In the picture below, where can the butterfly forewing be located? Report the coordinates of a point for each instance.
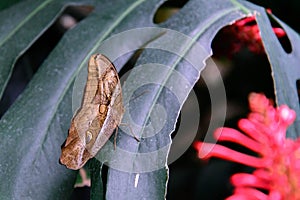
(100, 113)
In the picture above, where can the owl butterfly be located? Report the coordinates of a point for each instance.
(100, 113)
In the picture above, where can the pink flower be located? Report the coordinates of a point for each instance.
(243, 33)
(278, 161)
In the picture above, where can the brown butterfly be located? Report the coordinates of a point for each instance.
(100, 113)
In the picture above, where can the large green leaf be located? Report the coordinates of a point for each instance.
(36, 125)
(6, 4)
(285, 67)
(15, 37)
(172, 51)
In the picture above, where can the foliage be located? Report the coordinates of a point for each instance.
(35, 126)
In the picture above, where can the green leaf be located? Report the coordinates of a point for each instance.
(6, 4)
(36, 125)
(97, 189)
(285, 66)
(15, 37)
(34, 128)
(144, 170)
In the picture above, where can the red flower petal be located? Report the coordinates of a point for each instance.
(246, 180)
(278, 167)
